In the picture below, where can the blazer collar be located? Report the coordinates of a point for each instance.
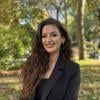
(57, 72)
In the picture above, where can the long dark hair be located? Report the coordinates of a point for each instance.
(38, 62)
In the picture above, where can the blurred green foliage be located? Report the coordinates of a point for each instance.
(14, 44)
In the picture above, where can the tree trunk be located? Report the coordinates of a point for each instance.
(57, 13)
(80, 28)
(65, 8)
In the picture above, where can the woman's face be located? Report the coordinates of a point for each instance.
(51, 39)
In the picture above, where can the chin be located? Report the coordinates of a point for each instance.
(50, 51)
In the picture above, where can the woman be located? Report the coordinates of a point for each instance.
(49, 73)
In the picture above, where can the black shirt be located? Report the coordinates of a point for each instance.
(39, 89)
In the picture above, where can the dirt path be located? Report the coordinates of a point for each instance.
(9, 84)
(9, 73)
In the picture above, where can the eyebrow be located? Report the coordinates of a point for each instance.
(50, 32)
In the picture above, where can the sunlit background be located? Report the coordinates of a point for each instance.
(18, 24)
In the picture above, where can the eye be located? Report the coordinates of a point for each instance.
(54, 34)
(43, 36)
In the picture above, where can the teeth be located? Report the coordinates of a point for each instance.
(49, 45)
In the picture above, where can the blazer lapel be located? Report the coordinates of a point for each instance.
(57, 72)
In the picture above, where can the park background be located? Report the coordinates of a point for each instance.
(18, 24)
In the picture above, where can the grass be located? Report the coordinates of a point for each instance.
(90, 62)
(89, 89)
(90, 79)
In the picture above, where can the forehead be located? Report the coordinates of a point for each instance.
(49, 29)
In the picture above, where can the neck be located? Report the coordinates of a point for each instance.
(54, 57)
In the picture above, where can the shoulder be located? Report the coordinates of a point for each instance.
(71, 63)
(71, 66)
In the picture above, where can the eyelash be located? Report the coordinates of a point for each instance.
(54, 35)
(43, 36)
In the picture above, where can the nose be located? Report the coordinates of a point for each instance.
(48, 39)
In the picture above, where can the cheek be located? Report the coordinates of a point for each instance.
(43, 40)
(58, 41)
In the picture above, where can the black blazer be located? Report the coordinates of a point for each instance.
(64, 81)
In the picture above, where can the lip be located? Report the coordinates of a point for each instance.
(49, 45)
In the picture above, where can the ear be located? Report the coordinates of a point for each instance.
(63, 40)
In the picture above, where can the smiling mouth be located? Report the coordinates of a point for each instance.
(49, 45)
